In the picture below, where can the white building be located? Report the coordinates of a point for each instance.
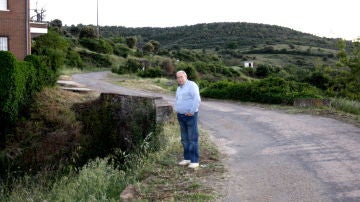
(248, 63)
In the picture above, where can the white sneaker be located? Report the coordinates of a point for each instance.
(193, 165)
(184, 162)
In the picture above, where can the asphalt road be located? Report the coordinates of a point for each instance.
(272, 155)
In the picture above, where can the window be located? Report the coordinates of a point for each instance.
(4, 44)
(3, 5)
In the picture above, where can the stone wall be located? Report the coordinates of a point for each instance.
(127, 102)
(311, 102)
(120, 122)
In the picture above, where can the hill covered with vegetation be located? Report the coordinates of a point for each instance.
(221, 35)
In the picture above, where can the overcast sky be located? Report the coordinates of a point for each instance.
(328, 18)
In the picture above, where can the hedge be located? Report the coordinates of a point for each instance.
(18, 82)
(269, 90)
(14, 81)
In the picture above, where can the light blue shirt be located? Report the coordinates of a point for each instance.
(187, 98)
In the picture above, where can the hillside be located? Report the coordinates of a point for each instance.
(221, 35)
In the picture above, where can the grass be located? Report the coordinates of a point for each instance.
(168, 182)
(157, 85)
(350, 106)
(96, 181)
(74, 70)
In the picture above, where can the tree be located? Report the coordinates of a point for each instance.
(74, 30)
(131, 41)
(88, 32)
(264, 70)
(57, 24)
(168, 67)
(190, 70)
(156, 45)
(319, 79)
(352, 61)
(148, 48)
(51, 40)
(53, 46)
(231, 45)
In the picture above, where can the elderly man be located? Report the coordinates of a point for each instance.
(187, 106)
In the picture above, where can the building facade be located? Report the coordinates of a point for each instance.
(16, 29)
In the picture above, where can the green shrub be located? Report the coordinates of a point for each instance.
(99, 46)
(121, 50)
(88, 32)
(44, 75)
(185, 55)
(151, 73)
(319, 80)
(346, 105)
(56, 59)
(17, 86)
(96, 181)
(95, 59)
(51, 40)
(132, 65)
(131, 41)
(189, 69)
(270, 90)
(264, 70)
(19, 81)
(73, 59)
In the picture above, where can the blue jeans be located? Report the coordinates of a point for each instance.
(189, 136)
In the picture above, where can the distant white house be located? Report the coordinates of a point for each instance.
(248, 63)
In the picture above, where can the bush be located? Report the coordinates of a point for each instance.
(131, 41)
(131, 66)
(52, 48)
(88, 32)
(96, 181)
(73, 59)
(121, 50)
(189, 69)
(44, 75)
(346, 105)
(151, 73)
(168, 67)
(95, 59)
(17, 81)
(263, 70)
(319, 79)
(99, 46)
(270, 90)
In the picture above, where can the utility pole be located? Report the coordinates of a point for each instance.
(97, 19)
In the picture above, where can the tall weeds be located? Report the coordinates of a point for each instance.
(350, 106)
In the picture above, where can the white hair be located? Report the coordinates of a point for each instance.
(181, 72)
